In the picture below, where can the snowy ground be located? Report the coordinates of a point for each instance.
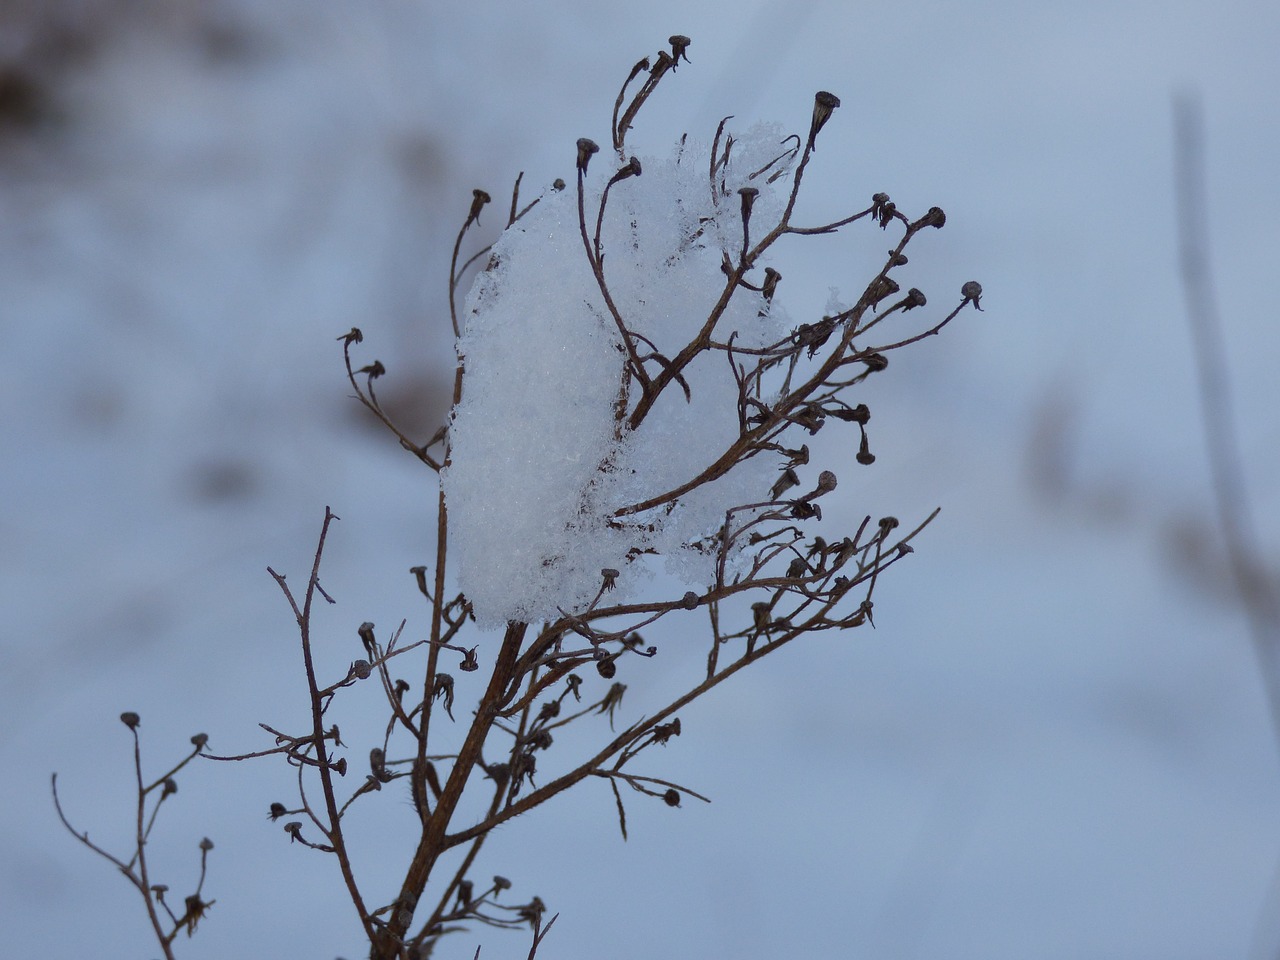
(1055, 742)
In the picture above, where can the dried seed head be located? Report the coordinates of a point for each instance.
(469, 662)
(826, 481)
(206, 844)
(610, 576)
(606, 668)
(130, 719)
(586, 147)
(915, 298)
(632, 169)
(671, 798)
(340, 766)
(865, 456)
(861, 414)
(170, 786)
(760, 614)
(934, 218)
(823, 104)
(771, 278)
(679, 46)
(361, 670)
(875, 361)
(887, 524)
(276, 811)
(557, 184)
(478, 199)
(972, 293)
(199, 740)
(689, 601)
(501, 883)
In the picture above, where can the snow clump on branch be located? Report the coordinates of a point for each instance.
(541, 455)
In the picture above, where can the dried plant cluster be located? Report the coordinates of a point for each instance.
(767, 578)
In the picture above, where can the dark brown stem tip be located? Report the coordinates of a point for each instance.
(823, 105)
(679, 44)
(586, 147)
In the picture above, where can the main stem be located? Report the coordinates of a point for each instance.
(432, 843)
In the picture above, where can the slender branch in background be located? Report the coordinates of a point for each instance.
(1223, 446)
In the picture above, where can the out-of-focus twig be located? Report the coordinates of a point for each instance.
(1247, 568)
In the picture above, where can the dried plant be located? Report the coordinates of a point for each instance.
(717, 365)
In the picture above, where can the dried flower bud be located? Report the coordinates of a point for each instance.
(861, 414)
(557, 184)
(689, 601)
(879, 204)
(880, 288)
(478, 199)
(804, 510)
(671, 798)
(206, 844)
(679, 44)
(361, 670)
(352, 336)
(632, 169)
(294, 829)
(606, 668)
(748, 195)
(501, 883)
(972, 293)
(934, 218)
(826, 481)
(366, 637)
(760, 615)
(469, 662)
(875, 361)
(160, 889)
(276, 811)
(199, 740)
(865, 456)
(540, 740)
(785, 482)
(130, 719)
(586, 147)
(887, 524)
(915, 298)
(170, 787)
(610, 576)
(340, 766)
(823, 104)
(771, 278)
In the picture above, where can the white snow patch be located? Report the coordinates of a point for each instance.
(539, 461)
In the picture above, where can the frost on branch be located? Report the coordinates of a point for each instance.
(541, 459)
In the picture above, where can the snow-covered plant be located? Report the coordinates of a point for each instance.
(632, 410)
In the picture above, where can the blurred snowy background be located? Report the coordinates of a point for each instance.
(1054, 745)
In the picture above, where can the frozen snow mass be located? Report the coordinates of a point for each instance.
(541, 461)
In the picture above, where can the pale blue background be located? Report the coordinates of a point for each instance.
(1055, 744)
